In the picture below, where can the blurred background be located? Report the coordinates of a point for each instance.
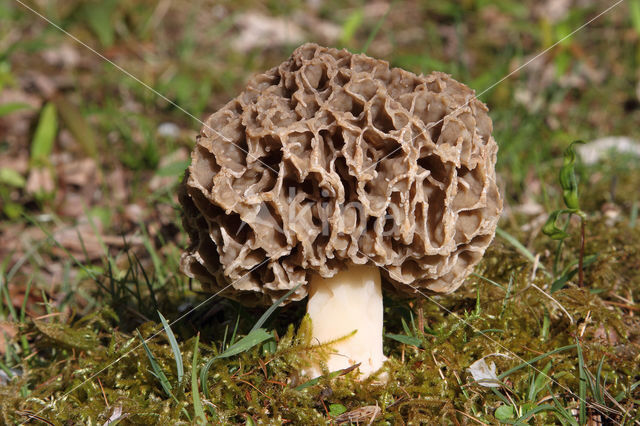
(84, 143)
(91, 153)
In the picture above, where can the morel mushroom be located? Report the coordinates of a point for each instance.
(330, 170)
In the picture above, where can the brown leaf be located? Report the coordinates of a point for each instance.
(16, 126)
(7, 332)
(607, 335)
(83, 242)
(117, 181)
(79, 180)
(133, 213)
(18, 163)
(79, 172)
(363, 414)
(78, 125)
(40, 181)
(73, 205)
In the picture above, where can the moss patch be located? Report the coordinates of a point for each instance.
(82, 371)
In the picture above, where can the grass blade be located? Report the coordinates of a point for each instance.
(198, 411)
(405, 327)
(407, 340)
(598, 391)
(272, 308)
(518, 246)
(78, 125)
(377, 27)
(540, 382)
(544, 407)
(155, 258)
(45, 135)
(5, 290)
(507, 296)
(634, 14)
(534, 360)
(252, 339)
(9, 107)
(224, 338)
(570, 271)
(331, 375)
(175, 169)
(351, 25)
(503, 398)
(50, 237)
(23, 308)
(174, 347)
(582, 387)
(490, 281)
(247, 342)
(560, 412)
(99, 18)
(235, 331)
(157, 371)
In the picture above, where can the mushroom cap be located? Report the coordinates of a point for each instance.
(334, 158)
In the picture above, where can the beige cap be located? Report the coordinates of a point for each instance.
(334, 158)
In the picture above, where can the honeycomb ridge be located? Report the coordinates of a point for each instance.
(334, 158)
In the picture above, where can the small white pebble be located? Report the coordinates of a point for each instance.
(169, 130)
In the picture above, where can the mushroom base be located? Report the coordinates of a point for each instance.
(347, 302)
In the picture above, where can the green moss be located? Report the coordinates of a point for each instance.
(80, 364)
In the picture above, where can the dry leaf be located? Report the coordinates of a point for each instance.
(117, 182)
(7, 331)
(366, 414)
(485, 375)
(40, 181)
(116, 416)
(84, 244)
(607, 335)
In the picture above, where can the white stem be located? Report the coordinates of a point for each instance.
(350, 300)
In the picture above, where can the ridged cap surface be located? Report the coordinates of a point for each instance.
(333, 158)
